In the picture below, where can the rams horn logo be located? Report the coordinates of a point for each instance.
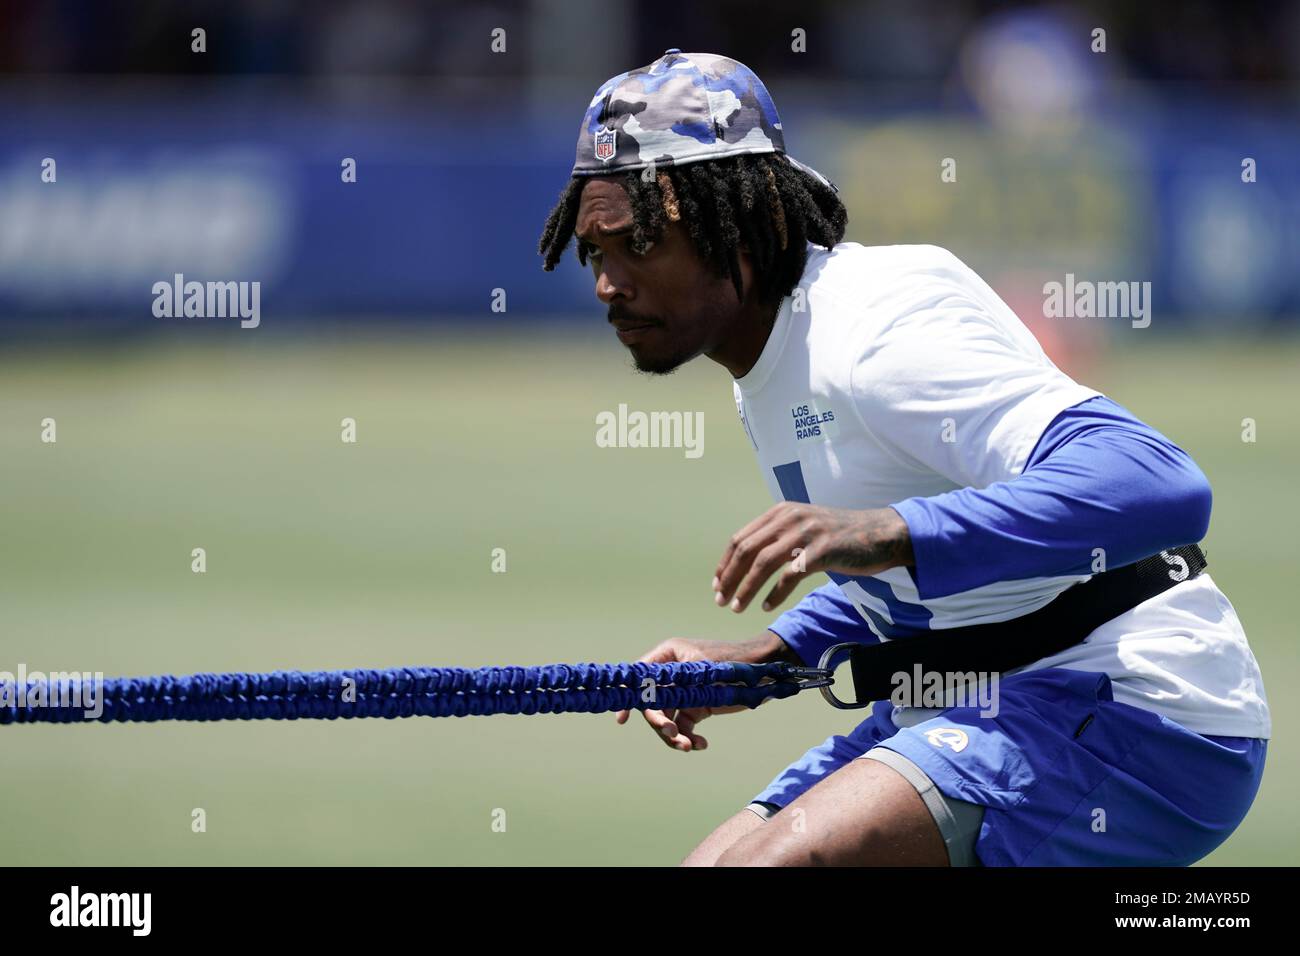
(954, 738)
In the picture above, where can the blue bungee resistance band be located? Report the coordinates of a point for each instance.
(403, 692)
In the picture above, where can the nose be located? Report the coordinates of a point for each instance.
(609, 285)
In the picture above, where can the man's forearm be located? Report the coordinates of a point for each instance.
(765, 648)
(878, 537)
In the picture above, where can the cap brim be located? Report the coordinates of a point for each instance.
(811, 172)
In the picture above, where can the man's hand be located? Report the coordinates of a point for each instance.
(677, 728)
(812, 539)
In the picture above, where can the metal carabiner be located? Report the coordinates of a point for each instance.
(807, 677)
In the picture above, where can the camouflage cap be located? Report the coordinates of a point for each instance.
(682, 108)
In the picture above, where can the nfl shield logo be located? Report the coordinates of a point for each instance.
(605, 143)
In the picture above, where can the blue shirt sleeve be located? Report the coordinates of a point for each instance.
(1098, 479)
(824, 617)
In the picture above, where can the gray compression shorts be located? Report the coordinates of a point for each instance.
(958, 821)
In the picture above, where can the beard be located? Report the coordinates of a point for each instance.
(664, 361)
(660, 364)
(667, 359)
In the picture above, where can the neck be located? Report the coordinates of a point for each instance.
(749, 334)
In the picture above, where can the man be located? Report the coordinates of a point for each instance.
(947, 477)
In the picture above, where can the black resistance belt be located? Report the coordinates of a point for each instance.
(1005, 645)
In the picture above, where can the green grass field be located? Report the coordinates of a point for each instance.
(323, 554)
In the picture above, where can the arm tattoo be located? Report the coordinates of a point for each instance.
(875, 537)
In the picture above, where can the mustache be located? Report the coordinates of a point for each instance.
(622, 315)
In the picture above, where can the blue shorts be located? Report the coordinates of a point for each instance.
(1067, 776)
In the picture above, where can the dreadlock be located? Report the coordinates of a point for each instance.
(760, 201)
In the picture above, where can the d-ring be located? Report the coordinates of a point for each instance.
(828, 663)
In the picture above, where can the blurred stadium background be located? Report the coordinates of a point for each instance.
(476, 427)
